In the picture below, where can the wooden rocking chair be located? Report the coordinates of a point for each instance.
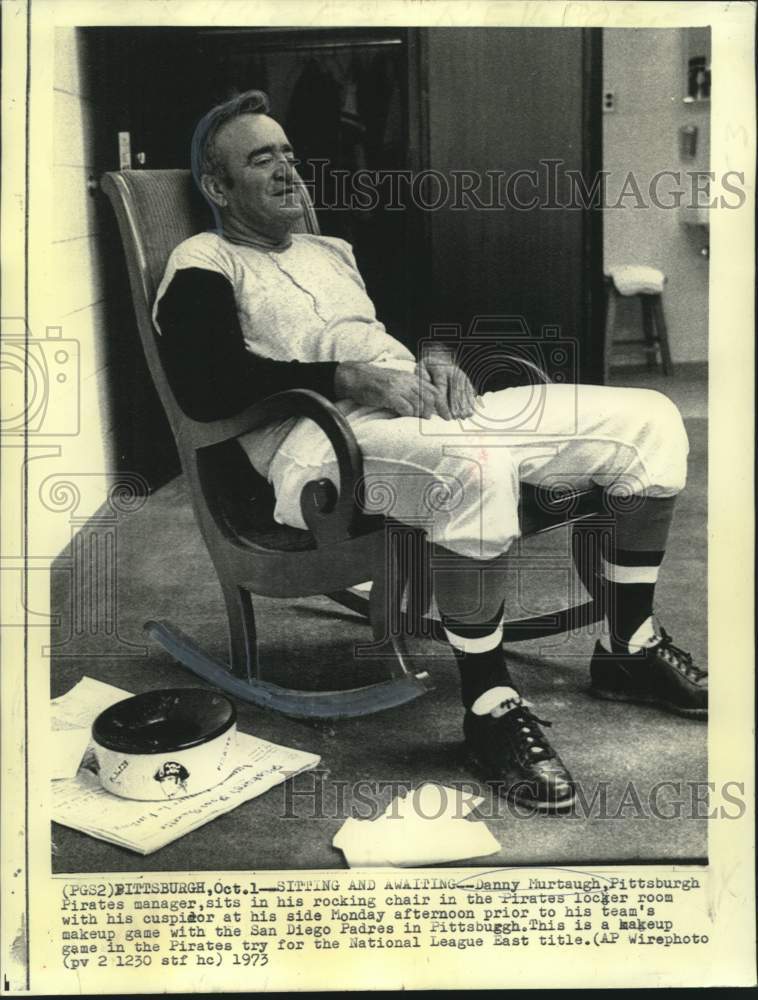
(233, 505)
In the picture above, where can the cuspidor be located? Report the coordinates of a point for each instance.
(165, 744)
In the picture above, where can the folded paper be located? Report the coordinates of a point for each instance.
(428, 826)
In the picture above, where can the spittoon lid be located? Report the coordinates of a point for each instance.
(165, 720)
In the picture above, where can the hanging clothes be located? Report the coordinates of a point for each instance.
(313, 115)
(380, 100)
(313, 127)
(350, 113)
(352, 126)
(380, 103)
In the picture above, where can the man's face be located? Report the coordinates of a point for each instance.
(259, 186)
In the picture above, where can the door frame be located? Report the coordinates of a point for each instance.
(592, 220)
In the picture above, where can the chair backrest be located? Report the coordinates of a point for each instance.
(156, 210)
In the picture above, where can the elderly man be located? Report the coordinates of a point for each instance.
(252, 309)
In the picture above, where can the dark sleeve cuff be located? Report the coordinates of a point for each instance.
(315, 375)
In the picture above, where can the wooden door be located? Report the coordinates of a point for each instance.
(504, 100)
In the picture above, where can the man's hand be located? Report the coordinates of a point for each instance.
(409, 394)
(451, 381)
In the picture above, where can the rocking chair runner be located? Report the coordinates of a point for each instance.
(343, 547)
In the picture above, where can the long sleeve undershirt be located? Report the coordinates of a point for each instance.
(211, 371)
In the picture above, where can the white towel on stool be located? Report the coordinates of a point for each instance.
(636, 280)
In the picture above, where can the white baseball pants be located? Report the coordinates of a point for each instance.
(460, 479)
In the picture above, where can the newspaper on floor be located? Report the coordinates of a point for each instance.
(80, 802)
(428, 826)
(71, 720)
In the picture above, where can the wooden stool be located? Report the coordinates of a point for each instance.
(646, 283)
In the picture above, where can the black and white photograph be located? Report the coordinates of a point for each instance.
(413, 413)
(368, 402)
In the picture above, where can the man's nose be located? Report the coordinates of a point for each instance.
(285, 168)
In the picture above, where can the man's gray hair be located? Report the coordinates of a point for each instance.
(204, 155)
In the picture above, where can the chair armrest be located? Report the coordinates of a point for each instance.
(332, 514)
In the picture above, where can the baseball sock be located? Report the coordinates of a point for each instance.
(630, 579)
(631, 564)
(485, 680)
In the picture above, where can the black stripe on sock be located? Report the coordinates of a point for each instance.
(469, 630)
(627, 557)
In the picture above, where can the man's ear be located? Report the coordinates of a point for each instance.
(213, 189)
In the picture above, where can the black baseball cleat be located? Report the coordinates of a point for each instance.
(662, 674)
(512, 753)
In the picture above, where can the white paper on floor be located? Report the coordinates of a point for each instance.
(429, 826)
(68, 746)
(81, 803)
(72, 716)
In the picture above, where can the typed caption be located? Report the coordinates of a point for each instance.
(135, 924)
